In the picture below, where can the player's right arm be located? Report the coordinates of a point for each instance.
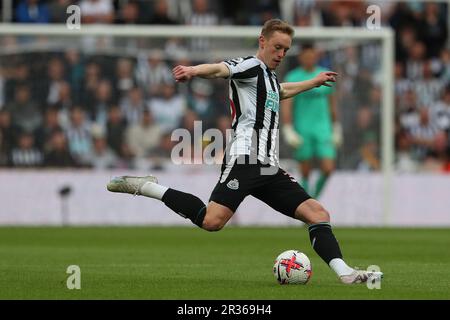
(207, 71)
(290, 89)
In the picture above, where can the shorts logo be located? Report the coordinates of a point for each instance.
(233, 184)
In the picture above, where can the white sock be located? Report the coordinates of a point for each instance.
(153, 190)
(340, 267)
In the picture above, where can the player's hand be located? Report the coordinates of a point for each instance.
(338, 138)
(323, 78)
(183, 73)
(291, 136)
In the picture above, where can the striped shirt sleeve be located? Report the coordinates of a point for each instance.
(242, 68)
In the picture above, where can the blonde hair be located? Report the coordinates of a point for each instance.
(272, 25)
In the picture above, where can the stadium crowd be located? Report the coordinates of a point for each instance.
(74, 109)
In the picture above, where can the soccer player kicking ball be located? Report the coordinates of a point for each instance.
(250, 165)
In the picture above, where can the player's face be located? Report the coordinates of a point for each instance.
(274, 48)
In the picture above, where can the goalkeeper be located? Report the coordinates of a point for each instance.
(310, 123)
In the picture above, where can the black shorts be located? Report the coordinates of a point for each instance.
(272, 185)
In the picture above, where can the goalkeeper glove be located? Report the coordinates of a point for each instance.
(337, 134)
(291, 136)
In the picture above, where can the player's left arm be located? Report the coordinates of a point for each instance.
(206, 71)
(290, 89)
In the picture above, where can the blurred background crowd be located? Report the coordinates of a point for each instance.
(77, 108)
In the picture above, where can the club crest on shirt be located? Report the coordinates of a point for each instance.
(233, 184)
(272, 101)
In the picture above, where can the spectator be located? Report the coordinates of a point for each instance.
(26, 154)
(58, 154)
(404, 161)
(152, 72)
(364, 135)
(133, 105)
(115, 131)
(402, 84)
(64, 103)
(433, 29)
(409, 117)
(437, 158)
(79, 136)
(31, 11)
(51, 124)
(423, 135)
(91, 81)
(201, 16)
(103, 100)
(3, 154)
(58, 10)
(130, 13)
(144, 137)
(103, 157)
(161, 14)
(175, 49)
(440, 111)
(416, 59)
(406, 38)
(55, 72)
(169, 109)
(124, 80)
(402, 16)
(201, 102)
(233, 12)
(362, 86)
(429, 88)
(19, 76)
(443, 64)
(369, 153)
(164, 149)
(97, 11)
(8, 136)
(348, 62)
(261, 11)
(24, 112)
(2, 88)
(343, 13)
(75, 73)
(306, 13)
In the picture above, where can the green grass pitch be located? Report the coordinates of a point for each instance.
(235, 263)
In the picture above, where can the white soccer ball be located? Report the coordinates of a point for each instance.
(292, 267)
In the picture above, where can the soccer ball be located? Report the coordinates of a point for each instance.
(292, 267)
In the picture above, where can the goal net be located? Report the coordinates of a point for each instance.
(97, 67)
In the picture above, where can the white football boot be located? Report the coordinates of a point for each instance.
(129, 184)
(361, 276)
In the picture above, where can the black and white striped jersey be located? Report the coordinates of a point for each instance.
(254, 105)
